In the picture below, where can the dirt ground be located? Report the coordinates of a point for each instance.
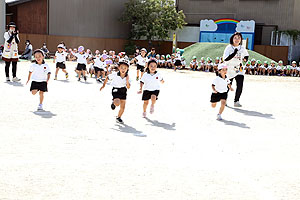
(75, 150)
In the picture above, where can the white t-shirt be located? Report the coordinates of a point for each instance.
(61, 57)
(221, 85)
(178, 56)
(151, 81)
(278, 67)
(183, 62)
(81, 58)
(39, 72)
(234, 64)
(141, 60)
(194, 62)
(117, 80)
(98, 63)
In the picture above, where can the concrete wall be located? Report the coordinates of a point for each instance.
(2, 20)
(87, 18)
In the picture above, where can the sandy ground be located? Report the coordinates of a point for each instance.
(75, 150)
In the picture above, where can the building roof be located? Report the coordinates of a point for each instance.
(15, 2)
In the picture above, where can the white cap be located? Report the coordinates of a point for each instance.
(124, 61)
(61, 46)
(222, 66)
(143, 49)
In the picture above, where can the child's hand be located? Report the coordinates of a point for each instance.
(162, 81)
(140, 92)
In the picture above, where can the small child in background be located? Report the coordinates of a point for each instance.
(194, 63)
(82, 58)
(209, 65)
(202, 64)
(183, 62)
(39, 73)
(162, 61)
(216, 64)
(60, 59)
(220, 86)
(169, 63)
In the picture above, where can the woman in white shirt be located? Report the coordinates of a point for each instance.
(234, 55)
(10, 52)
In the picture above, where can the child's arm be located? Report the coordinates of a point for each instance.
(141, 88)
(127, 82)
(103, 86)
(229, 86)
(29, 76)
(214, 89)
(48, 77)
(54, 59)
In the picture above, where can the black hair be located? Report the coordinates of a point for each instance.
(120, 63)
(236, 33)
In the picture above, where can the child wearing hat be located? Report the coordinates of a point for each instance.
(39, 73)
(177, 60)
(169, 62)
(216, 64)
(294, 69)
(60, 59)
(253, 67)
(120, 83)
(247, 67)
(202, 64)
(194, 63)
(162, 61)
(141, 61)
(183, 62)
(82, 58)
(151, 82)
(279, 68)
(220, 86)
(209, 65)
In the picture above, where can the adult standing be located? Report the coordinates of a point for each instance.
(234, 55)
(10, 53)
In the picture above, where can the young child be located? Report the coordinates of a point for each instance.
(253, 67)
(169, 63)
(247, 67)
(141, 61)
(279, 68)
(294, 68)
(202, 64)
(194, 63)
(265, 68)
(177, 61)
(216, 64)
(82, 62)
(151, 82)
(162, 61)
(183, 62)
(209, 65)
(120, 83)
(39, 73)
(60, 59)
(99, 66)
(220, 86)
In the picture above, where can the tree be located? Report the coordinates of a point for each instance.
(294, 34)
(152, 19)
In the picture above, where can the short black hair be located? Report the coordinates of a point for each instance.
(236, 33)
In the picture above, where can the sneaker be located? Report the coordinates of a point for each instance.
(137, 78)
(237, 104)
(79, 79)
(15, 79)
(151, 109)
(40, 107)
(119, 120)
(55, 78)
(113, 106)
(67, 75)
(7, 79)
(84, 78)
(99, 80)
(144, 114)
(219, 117)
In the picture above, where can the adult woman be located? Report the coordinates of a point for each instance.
(10, 52)
(234, 55)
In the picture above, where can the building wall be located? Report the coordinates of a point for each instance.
(2, 21)
(32, 17)
(87, 18)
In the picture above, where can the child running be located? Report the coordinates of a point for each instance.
(220, 87)
(82, 62)
(120, 83)
(141, 63)
(39, 73)
(151, 81)
(60, 59)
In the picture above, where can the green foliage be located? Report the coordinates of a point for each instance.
(294, 34)
(152, 19)
(130, 47)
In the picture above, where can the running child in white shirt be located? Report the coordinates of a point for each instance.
(82, 58)
(120, 83)
(220, 86)
(99, 66)
(39, 73)
(151, 82)
(60, 59)
(141, 61)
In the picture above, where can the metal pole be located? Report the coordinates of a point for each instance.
(2, 20)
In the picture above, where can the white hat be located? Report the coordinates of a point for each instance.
(222, 66)
(124, 61)
(143, 49)
(61, 46)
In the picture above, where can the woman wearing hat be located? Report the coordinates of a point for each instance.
(10, 52)
(234, 55)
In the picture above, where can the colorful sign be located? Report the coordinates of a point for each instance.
(220, 31)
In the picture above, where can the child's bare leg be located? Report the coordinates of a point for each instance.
(65, 71)
(223, 104)
(34, 92)
(153, 100)
(56, 71)
(213, 105)
(41, 97)
(117, 102)
(145, 105)
(122, 108)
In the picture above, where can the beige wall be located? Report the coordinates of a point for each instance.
(270, 12)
